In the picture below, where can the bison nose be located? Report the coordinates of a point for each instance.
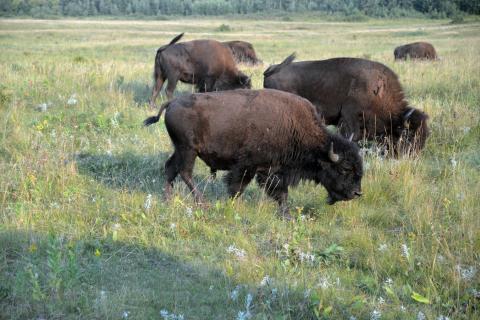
(357, 193)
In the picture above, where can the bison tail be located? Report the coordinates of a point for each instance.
(173, 41)
(155, 119)
(275, 68)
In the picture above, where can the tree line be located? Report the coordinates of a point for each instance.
(373, 8)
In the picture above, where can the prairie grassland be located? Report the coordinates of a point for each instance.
(85, 232)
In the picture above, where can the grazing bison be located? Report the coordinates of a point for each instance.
(207, 64)
(362, 97)
(416, 50)
(243, 52)
(272, 134)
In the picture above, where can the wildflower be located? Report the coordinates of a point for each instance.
(148, 202)
(466, 273)
(97, 253)
(125, 314)
(383, 247)
(476, 293)
(381, 300)
(265, 281)
(405, 251)
(466, 130)
(388, 281)
(375, 315)
(421, 316)
(72, 100)
(210, 288)
(352, 318)
(32, 248)
(42, 107)
(306, 294)
(324, 283)
(164, 313)
(441, 317)
(173, 226)
(103, 295)
(306, 257)
(189, 212)
(234, 293)
(402, 308)
(243, 315)
(239, 253)
(453, 162)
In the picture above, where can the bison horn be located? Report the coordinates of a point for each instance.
(406, 116)
(332, 155)
(351, 137)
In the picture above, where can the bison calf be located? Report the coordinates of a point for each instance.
(208, 64)
(364, 98)
(268, 133)
(416, 50)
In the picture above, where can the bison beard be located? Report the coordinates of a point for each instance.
(361, 97)
(268, 133)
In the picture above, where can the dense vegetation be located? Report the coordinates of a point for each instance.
(86, 234)
(375, 8)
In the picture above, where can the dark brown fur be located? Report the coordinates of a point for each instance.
(362, 97)
(207, 64)
(416, 50)
(272, 134)
(243, 52)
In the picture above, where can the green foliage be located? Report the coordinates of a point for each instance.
(352, 10)
(224, 28)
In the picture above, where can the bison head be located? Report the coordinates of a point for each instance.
(341, 170)
(240, 81)
(413, 129)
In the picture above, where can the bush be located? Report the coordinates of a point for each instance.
(224, 28)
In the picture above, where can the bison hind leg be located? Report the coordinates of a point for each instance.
(238, 179)
(181, 162)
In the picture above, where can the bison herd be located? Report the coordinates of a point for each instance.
(278, 135)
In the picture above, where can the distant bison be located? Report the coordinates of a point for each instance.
(207, 64)
(272, 134)
(362, 97)
(243, 52)
(416, 50)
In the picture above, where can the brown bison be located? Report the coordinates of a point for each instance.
(416, 50)
(207, 64)
(272, 134)
(243, 52)
(364, 98)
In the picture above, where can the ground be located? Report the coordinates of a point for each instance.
(85, 232)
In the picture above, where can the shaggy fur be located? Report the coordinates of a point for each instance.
(416, 50)
(243, 52)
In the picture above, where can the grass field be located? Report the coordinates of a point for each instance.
(85, 232)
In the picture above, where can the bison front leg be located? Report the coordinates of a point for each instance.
(277, 188)
(238, 179)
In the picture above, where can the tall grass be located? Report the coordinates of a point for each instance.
(85, 231)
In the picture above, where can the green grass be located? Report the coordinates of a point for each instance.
(86, 234)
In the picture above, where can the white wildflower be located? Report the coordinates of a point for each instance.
(388, 281)
(42, 107)
(164, 313)
(116, 226)
(381, 300)
(239, 253)
(453, 162)
(103, 295)
(234, 293)
(375, 315)
(148, 202)
(243, 315)
(402, 308)
(125, 314)
(72, 100)
(466, 130)
(476, 293)
(265, 281)
(324, 283)
(405, 251)
(306, 257)
(306, 294)
(189, 212)
(442, 317)
(173, 226)
(383, 247)
(421, 315)
(352, 318)
(467, 273)
(210, 288)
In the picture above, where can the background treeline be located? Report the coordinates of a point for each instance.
(373, 8)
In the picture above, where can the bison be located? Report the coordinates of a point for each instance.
(364, 98)
(207, 64)
(416, 50)
(274, 135)
(243, 52)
